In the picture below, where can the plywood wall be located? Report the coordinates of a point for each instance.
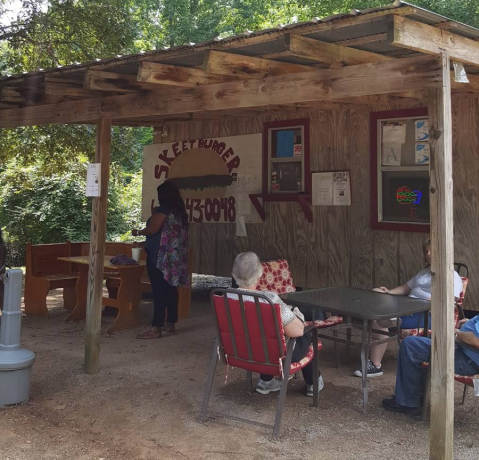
(339, 247)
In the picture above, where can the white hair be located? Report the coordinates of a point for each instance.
(247, 269)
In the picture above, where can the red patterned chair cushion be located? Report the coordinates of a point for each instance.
(465, 379)
(276, 277)
(328, 322)
(295, 367)
(276, 371)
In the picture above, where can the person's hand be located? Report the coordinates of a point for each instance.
(462, 322)
(381, 289)
(134, 232)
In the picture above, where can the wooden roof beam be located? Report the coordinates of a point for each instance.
(329, 85)
(351, 81)
(417, 36)
(156, 73)
(329, 53)
(363, 40)
(110, 81)
(69, 90)
(247, 67)
(86, 110)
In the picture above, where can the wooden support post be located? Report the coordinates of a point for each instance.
(97, 250)
(442, 242)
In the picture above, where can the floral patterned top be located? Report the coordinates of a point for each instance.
(173, 253)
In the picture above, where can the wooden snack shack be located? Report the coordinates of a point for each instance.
(340, 144)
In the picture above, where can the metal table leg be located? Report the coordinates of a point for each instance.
(366, 337)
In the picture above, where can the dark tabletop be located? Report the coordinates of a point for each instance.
(357, 303)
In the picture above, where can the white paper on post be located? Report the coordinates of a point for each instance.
(93, 180)
(460, 75)
(322, 188)
(240, 226)
(394, 134)
(342, 189)
(391, 154)
(243, 204)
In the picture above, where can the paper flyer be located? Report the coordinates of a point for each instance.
(391, 154)
(341, 189)
(394, 133)
(243, 204)
(245, 182)
(240, 226)
(423, 153)
(422, 130)
(322, 189)
(93, 180)
(331, 189)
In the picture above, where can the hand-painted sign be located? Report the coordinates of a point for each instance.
(206, 173)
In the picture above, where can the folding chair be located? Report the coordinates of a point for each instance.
(277, 278)
(250, 336)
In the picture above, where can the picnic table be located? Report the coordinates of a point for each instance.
(128, 297)
(363, 307)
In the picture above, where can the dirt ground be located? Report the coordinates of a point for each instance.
(144, 402)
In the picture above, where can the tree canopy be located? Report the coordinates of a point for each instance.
(42, 169)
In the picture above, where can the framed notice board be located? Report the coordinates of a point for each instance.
(400, 157)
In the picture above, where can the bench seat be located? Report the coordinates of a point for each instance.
(45, 272)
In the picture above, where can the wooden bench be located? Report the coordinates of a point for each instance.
(45, 272)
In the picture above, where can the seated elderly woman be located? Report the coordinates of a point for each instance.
(247, 270)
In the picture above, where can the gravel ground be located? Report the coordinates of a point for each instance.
(144, 402)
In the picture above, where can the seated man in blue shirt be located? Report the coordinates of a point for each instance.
(410, 377)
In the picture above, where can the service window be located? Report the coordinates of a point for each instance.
(286, 157)
(400, 170)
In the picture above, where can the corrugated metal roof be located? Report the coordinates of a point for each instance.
(191, 55)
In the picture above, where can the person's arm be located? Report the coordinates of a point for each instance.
(154, 225)
(404, 289)
(294, 329)
(467, 337)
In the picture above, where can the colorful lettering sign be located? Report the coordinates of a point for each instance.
(206, 172)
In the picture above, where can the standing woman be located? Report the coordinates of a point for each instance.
(3, 257)
(166, 247)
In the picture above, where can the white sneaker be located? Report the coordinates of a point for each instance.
(267, 387)
(309, 388)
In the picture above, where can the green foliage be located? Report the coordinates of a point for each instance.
(58, 32)
(47, 209)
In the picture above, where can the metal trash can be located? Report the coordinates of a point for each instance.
(15, 362)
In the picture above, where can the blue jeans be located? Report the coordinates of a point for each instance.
(412, 321)
(411, 377)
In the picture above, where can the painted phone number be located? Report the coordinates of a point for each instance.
(211, 209)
